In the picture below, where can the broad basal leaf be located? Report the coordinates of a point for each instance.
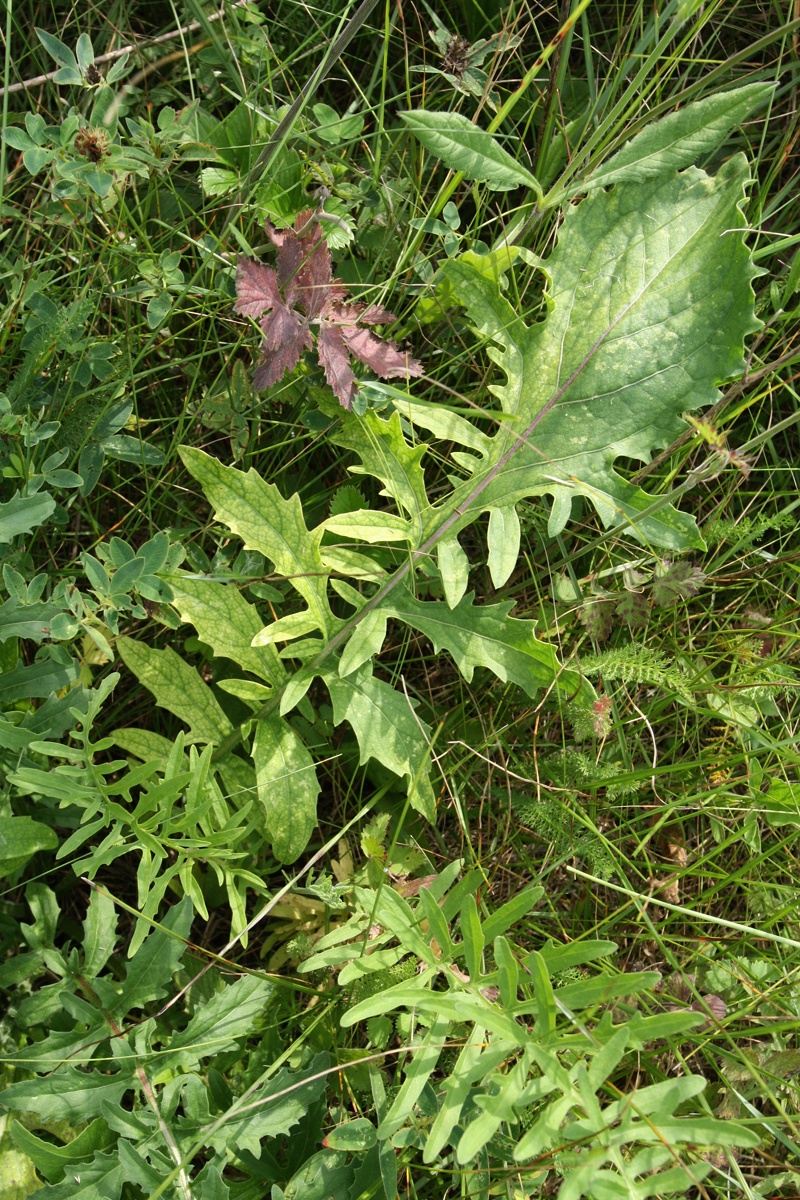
(67, 1095)
(20, 839)
(227, 1016)
(650, 299)
(273, 1108)
(21, 514)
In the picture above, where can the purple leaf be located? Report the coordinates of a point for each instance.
(256, 288)
(301, 290)
(336, 364)
(382, 357)
(287, 335)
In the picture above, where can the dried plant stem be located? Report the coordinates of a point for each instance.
(131, 48)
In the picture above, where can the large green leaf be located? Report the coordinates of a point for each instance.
(227, 1016)
(387, 729)
(266, 522)
(178, 688)
(272, 1108)
(650, 299)
(67, 1095)
(287, 786)
(26, 620)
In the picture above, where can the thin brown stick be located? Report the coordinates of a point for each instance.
(131, 48)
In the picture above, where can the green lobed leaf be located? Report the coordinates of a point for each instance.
(149, 973)
(226, 622)
(272, 1109)
(391, 460)
(217, 1026)
(418, 1071)
(99, 933)
(259, 515)
(387, 729)
(67, 1095)
(52, 1160)
(469, 149)
(503, 541)
(287, 786)
(453, 567)
(650, 300)
(353, 1136)
(178, 688)
(484, 636)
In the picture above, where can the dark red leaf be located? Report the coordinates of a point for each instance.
(287, 335)
(382, 357)
(336, 364)
(374, 315)
(256, 288)
(302, 290)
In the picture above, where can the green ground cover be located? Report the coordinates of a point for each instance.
(398, 637)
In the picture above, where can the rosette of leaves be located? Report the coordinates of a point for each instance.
(300, 295)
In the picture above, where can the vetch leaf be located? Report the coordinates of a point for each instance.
(469, 149)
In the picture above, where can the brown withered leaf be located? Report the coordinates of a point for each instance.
(300, 296)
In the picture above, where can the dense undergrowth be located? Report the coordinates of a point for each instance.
(398, 618)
